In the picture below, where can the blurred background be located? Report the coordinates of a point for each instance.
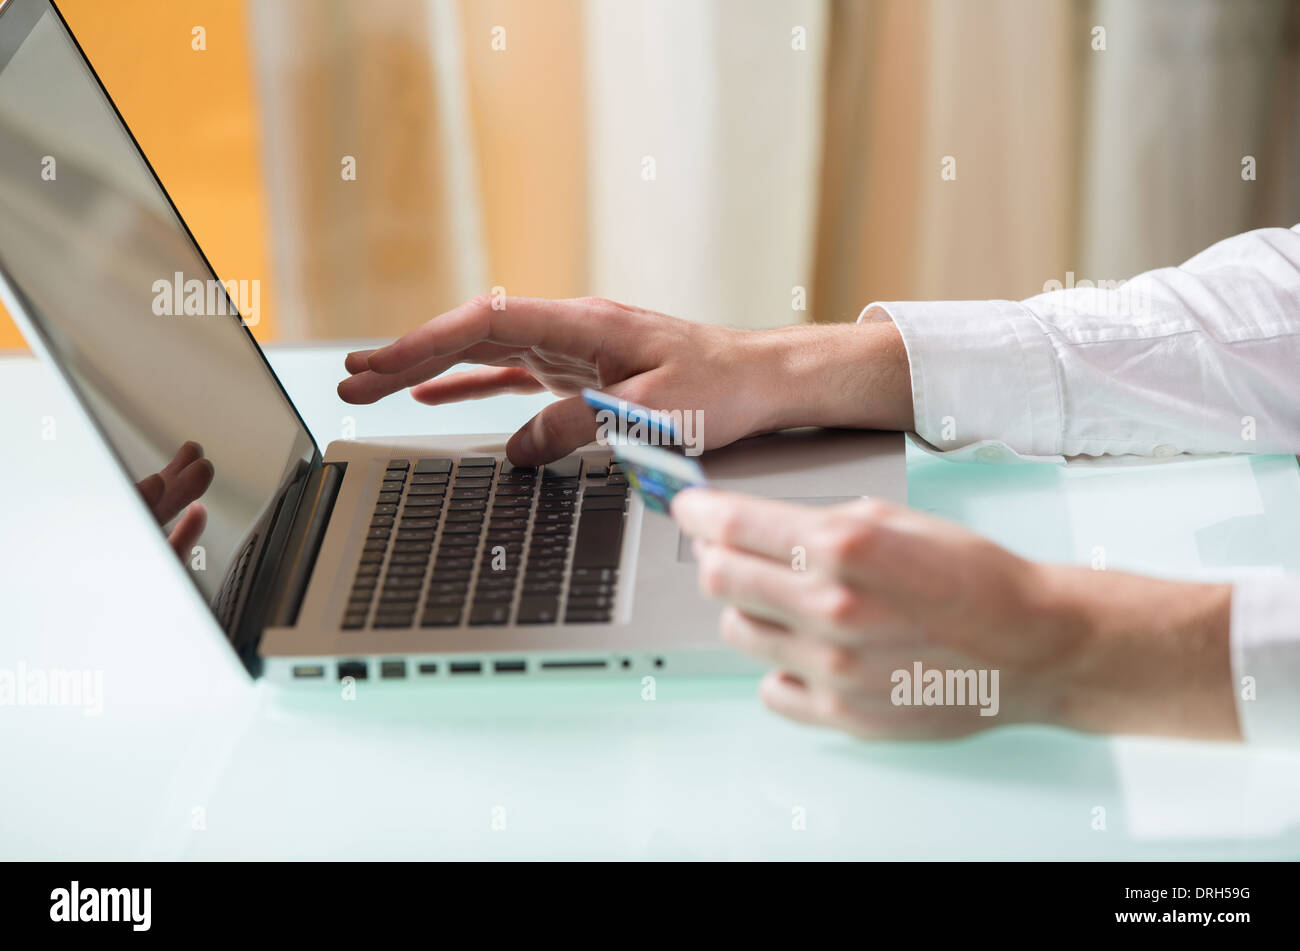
(751, 162)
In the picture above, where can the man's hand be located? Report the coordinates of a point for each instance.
(839, 598)
(744, 382)
(176, 487)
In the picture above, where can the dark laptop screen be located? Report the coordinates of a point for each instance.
(93, 254)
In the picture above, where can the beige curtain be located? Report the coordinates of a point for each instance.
(1101, 162)
(711, 158)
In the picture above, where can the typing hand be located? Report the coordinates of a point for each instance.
(664, 363)
(844, 601)
(177, 487)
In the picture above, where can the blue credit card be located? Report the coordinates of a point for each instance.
(619, 418)
(657, 473)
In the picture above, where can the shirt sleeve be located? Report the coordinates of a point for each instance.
(1200, 358)
(1266, 658)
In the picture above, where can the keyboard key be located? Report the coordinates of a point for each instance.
(604, 503)
(605, 602)
(477, 462)
(598, 490)
(473, 483)
(433, 465)
(586, 616)
(599, 541)
(538, 610)
(416, 491)
(468, 515)
(441, 617)
(399, 464)
(448, 587)
(514, 491)
(570, 467)
(490, 613)
(429, 478)
(389, 497)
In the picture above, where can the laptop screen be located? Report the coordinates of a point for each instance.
(96, 259)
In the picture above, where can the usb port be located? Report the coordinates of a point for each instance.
(427, 669)
(356, 669)
(392, 669)
(508, 667)
(309, 671)
(466, 667)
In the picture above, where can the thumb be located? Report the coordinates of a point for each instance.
(553, 433)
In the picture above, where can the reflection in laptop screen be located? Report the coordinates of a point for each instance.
(97, 261)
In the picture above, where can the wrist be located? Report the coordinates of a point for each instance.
(835, 375)
(1144, 655)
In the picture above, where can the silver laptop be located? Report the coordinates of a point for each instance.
(404, 559)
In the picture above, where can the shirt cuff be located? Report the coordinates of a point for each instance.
(1266, 649)
(981, 370)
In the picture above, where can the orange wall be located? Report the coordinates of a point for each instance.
(194, 115)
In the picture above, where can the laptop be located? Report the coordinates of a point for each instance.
(420, 560)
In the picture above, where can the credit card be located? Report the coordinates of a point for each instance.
(658, 474)
(621, 420)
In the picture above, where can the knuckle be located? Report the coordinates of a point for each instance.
(842, 607)
(713, 577)
(480, 301)
(729, 526)
(838, 661)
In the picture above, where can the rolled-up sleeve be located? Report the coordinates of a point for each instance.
(1266, 658)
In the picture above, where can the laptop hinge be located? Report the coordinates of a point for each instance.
(303, 545)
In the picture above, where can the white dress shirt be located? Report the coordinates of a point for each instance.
(1201, 358)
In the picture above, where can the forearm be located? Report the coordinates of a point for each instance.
(1151, 656)
(844, 375)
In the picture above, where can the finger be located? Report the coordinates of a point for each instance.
(185, 455)
(761, 526)
(476, 384)
(183, 489)
(813, 659)
(813, 604)
(553, 433)
(358, 360)
(185, 535)
(570, 327)
(368, 386)
(787, 695)
(151, 489)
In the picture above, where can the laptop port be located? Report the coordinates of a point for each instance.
(392, 669)
(508, 667)
(574, 664)
(309, 671)
(356, 669)
(466, 667)
(427, 669)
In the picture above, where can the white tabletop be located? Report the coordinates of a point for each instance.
(190, 759)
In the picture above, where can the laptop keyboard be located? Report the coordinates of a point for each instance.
(469, 541)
